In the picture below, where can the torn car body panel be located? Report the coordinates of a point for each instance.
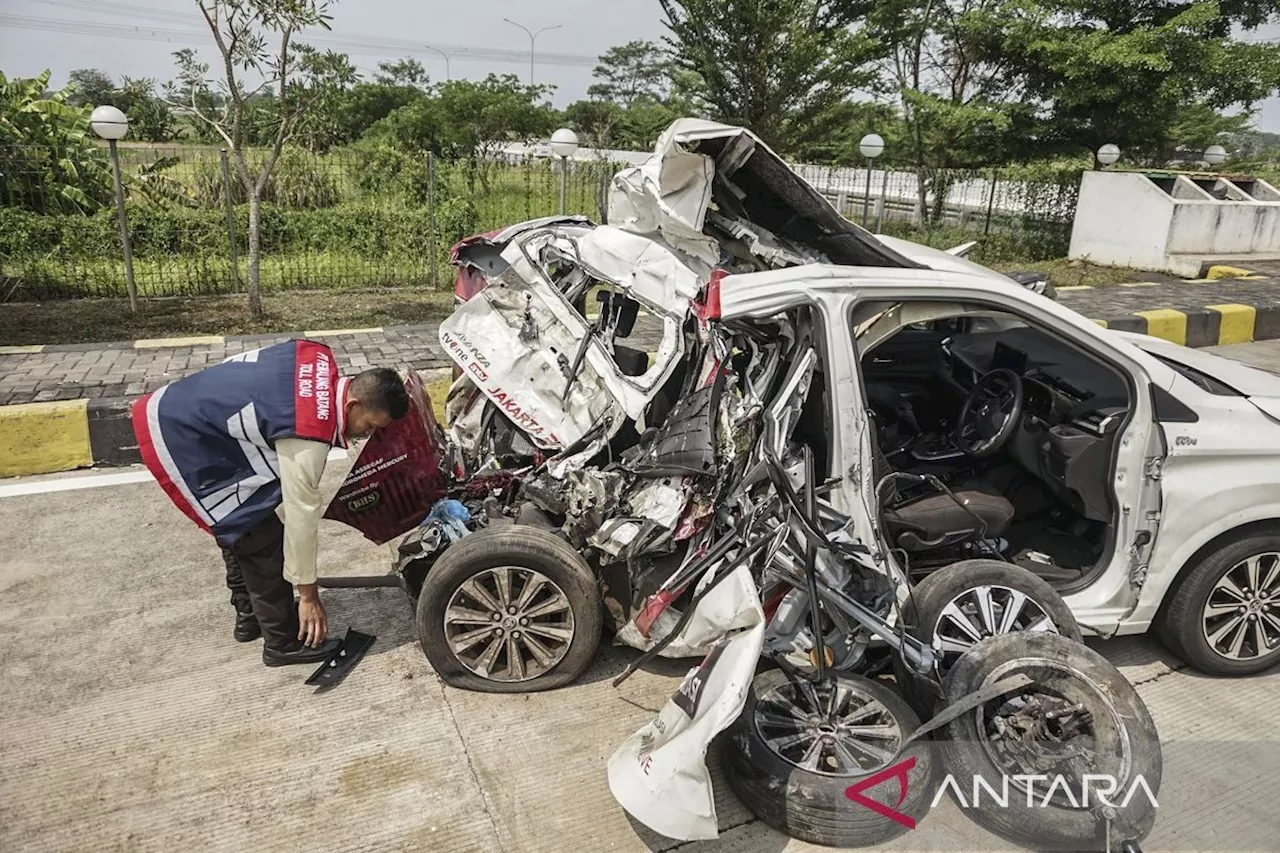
(544, 363)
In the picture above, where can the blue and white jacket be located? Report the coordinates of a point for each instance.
(209, 438)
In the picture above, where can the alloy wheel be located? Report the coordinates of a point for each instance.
(981, 612)
(509, 624)
(1241, 617)
(831, 728)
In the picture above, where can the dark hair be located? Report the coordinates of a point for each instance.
(381, 389)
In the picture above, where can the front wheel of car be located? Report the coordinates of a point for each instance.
(1224, 616)
(510, 609)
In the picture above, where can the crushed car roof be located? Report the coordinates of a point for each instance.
(711, 188)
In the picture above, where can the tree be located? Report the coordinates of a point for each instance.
(595, 122)
(1197, 126)
(470, 121)
(91, 87)
(1121, 71)
(150, 118)
(255, 41)
(48, 160)
(632, 70)
(402, 72)
(956, 104)
(780, 68)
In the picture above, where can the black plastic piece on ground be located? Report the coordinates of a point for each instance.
(360, 581)
(342, 661)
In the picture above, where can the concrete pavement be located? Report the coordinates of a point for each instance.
(132, 721)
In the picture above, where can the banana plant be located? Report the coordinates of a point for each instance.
(48, 160)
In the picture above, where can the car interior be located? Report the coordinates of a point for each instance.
(995, 438)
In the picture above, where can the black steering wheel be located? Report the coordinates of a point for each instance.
(990, 413)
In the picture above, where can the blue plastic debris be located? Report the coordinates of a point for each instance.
(451, 516)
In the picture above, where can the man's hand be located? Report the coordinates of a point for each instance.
(313, 625)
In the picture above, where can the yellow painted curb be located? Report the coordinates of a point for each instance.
(1223, 271)
(1236, 326)
(21, 350)
(319, 333)
(39, 438)
(198, 340)
(1102, 323)
(1166, 323)
(1075, 287)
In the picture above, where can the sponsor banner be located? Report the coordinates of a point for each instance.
(398, 475)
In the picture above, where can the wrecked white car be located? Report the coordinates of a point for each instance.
(730, 423)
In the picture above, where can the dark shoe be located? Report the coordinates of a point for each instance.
(247, 628)
(302, 654)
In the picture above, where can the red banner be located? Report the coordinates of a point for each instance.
(398, 475)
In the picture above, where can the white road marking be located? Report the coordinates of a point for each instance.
(65, 483)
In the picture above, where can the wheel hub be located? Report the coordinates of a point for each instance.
(830, 728)
(982, 612)
(1240, 620)
(509, 624)
(1062, 726)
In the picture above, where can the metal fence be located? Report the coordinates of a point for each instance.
(1011, 218)
(379, 217)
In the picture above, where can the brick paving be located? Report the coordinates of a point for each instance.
(1118, 299)
(111, 370)
(118, 370)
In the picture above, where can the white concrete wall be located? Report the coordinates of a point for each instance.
(1122, 219)
(1225, 228)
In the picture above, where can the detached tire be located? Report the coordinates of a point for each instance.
(1224, 616)
(510, 609)
(964, 602)
(1112, 727)
(812, 804)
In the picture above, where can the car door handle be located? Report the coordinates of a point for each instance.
(875, 360)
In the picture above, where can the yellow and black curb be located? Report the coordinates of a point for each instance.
(41, 438)
(1212, 325)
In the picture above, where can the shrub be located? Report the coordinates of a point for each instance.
(299, 181)
(391, 172)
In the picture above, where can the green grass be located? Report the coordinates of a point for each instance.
(50, 278)
(1064, 273)
(95, 320)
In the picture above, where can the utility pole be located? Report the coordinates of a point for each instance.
(448, 75)
(533, 35)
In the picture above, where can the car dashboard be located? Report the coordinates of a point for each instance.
(1072, 408)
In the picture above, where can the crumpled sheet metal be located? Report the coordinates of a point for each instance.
(526, 380)
(659, 774)
(726, 609)
(646, 269)
(667, 196)
(525, 375)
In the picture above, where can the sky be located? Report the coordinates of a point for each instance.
(137, 37)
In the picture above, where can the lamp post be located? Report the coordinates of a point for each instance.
(563, 143)
(1214, 155)
(871, 146)
(1108, 154)
(111, 124)
(448, 75)
(533, 35)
